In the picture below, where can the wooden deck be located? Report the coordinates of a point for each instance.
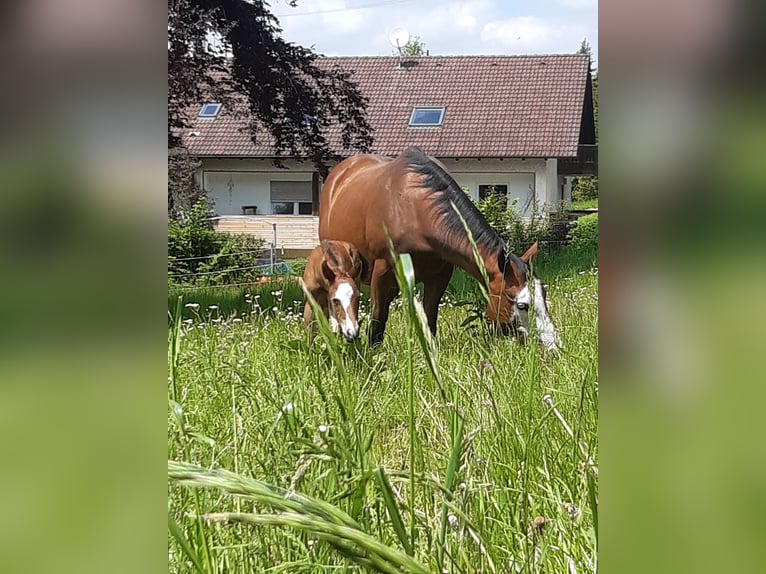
(296, 234)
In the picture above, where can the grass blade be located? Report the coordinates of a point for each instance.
(393, 509)
(383, 557)
(449, 481)
(179, 537)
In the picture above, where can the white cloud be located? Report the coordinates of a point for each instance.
(341, 22)
(526, 29)
(532, 34)
(454, 27)
(579, 4)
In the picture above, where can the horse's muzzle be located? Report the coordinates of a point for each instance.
(350, 336)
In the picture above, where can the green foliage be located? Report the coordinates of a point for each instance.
(584, 235)
(586, 204)
(339, 457)
(198, 255)
(414, 47)
(584, 188)
(519, 233)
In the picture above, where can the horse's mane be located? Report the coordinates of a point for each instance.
(445, 192)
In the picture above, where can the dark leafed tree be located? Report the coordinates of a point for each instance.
(275, 84)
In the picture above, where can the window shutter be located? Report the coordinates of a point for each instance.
(291, 191)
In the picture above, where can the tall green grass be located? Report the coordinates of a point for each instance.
(416, 456)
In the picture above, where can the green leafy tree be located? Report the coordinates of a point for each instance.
(415, 47)
(284, 93)
(586, 187)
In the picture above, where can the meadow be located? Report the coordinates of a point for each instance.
(470, 453)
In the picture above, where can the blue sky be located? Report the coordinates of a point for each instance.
(362, 27)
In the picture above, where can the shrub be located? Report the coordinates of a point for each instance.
(584, 188)
(584, 235)
(519, 233)
(198, 255)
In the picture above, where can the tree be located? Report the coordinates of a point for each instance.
(584, 188)
(256, 74)
(414, 47)
(183, 190)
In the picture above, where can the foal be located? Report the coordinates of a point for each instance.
(332, 276)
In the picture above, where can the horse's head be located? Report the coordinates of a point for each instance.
(342, 268)
(509, 297)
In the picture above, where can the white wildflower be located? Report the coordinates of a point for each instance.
(192, 305)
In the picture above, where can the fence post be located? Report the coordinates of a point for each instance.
(273, 250)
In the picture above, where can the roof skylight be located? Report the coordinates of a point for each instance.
(209, 110)
(430, 116)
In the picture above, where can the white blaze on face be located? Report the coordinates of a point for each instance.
(546, 330)
(521, 317)
(344, 294)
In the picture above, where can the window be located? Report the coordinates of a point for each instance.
(282, 207)
(427, 117)
(485, 190)
(249, 210)
(291, 198)
(209, 110)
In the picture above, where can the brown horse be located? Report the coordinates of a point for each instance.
(332, 276)
(411, 197)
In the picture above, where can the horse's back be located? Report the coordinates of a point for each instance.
(353, 195)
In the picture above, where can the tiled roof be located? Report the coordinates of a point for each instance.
(496, 106)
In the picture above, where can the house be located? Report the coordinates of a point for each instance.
(519, 124)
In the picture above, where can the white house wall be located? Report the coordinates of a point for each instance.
(517, 174)
(232, 183)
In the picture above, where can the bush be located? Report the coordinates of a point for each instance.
(198, 255)
(584, 235)
(518, 233)
(585, 188)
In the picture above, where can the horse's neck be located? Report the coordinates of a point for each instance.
(465, 258)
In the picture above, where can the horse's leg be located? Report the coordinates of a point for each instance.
(383, 289)
(432, 294)
(308, 319)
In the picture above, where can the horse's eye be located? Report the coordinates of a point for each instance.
(523, 306)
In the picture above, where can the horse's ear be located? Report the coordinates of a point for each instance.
(331, 257)
(327, 272)
(529, 253)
